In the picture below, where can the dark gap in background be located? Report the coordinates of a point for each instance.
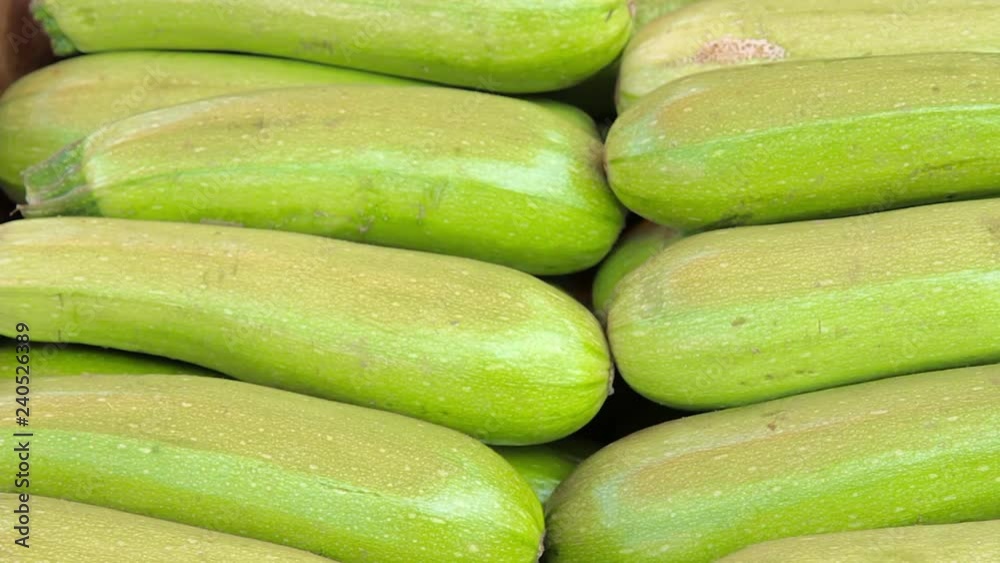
(6, 208)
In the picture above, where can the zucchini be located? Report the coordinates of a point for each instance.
(481, 348)
(969, 542)
(845, 137)
(433, 169)
(341, 481)
(714, 34)
(70, 531)
(743, 315)
(907, 450)
(510, 46)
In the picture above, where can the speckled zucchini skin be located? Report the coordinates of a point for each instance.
(345, 482)
(54, 360)
(742, 315)
(64, 102)
(511, 46)
(915, 449)
(713, 34)
(969, 542)
(847, 136)
(639, 244)
(434, 169)
(481, 348)
(89, 534)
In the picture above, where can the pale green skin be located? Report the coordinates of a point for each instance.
(648, 11)
(64, 102)
(546, 465)
(743, 315)
(914, 449)
(481, 348)
(848, 136)
(434, 169)
(669, 47)
(345, 482)
(56, 360)
(90, 534)
(570, 113)
(969, 542)
(510, 46)
(638, 245)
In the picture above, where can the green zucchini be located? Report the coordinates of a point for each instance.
(55, 360)
(915, 449)
(70, 531)
(341, 481)
(545, 466)
(743, 315)
(64, 102)
(846, 136)
(639, 244)
(713, 34)
(434, 169)
(969, 542)
(481, 348)
(511, 46)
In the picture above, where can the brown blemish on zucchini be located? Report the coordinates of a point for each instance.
(731, 50)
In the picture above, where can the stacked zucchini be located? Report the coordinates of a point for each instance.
(292, 297)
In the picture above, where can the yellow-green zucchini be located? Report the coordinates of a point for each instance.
(345, 482)
(512, 46)
(474, 346)
(434, 169)
(743, 315)
(59, 530)
(906, 450)
(844, 137)
(712, 34)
